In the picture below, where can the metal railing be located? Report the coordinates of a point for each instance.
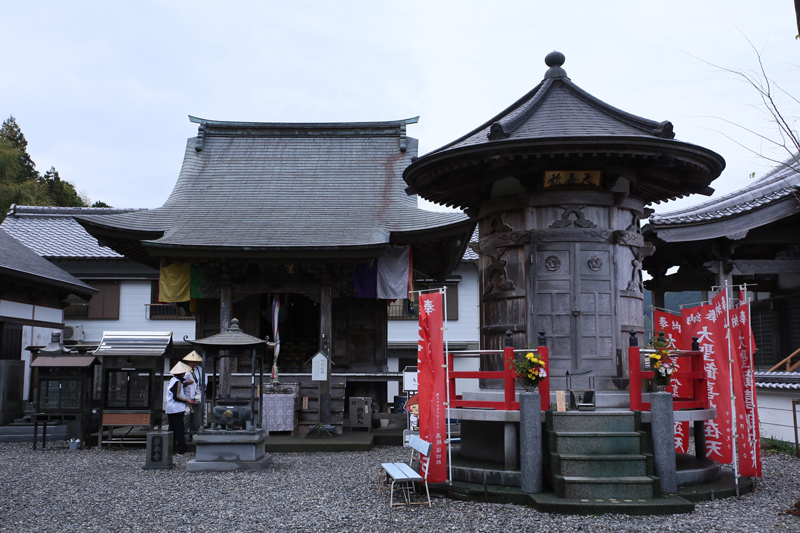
(508, 376)
(166, 312)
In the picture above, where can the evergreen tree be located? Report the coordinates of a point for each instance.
(60, 193)
(21, 184)
(12, 136)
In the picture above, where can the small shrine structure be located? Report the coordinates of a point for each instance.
(558, 183)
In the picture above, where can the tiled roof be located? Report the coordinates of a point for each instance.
(52, 232)
(470, 254)
(779, 183)
(19, 261)
(286, 186)
(778, 380)
(559, 108)
(554, 127)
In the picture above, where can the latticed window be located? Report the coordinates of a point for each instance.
(761, 321)
(793, 323)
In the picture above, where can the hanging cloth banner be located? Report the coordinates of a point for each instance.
(174, 282)
(393, 273)
(707, 323)
(365, 279)
(672, 326)
(744, 388)
(431, 383)
(276, 334)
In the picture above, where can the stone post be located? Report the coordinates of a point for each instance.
(662, 425)
(530, 428)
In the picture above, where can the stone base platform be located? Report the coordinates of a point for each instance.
(225, 451)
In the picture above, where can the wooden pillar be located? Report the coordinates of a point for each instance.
(224, 324)
(658, 298)
(326, 346)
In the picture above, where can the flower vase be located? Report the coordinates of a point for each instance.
(74, 445)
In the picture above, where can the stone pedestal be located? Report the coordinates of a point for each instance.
(663, 429)
(159, 451)
(223, 451)
(530, 428)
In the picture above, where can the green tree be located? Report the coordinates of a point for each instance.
(21, 184)
(60, 193)
(12, 136)
(98, 203)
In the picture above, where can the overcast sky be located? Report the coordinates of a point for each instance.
(102, 90)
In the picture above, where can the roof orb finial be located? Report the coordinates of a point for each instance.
(554, 60)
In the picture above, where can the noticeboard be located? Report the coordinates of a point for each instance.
(410, 379)
(319, 367)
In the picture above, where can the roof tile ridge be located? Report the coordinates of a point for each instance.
(502, 130)
(661, 129)
(49, 211)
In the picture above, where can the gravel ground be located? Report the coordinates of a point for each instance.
(107, 490)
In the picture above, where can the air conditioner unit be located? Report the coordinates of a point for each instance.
(73, 334)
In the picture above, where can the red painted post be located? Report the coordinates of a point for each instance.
(451, 382)
(634, 366)
(509, 378)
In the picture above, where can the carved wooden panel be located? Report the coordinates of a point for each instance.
(574, 302)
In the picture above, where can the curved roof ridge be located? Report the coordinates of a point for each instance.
(235, 123)
(663, 129)
(501, 130)
(775, 184)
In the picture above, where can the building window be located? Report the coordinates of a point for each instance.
(167, 311)
(103, 305)
(398, 309)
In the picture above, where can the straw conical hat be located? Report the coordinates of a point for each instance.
(180, 368)
(193, 357)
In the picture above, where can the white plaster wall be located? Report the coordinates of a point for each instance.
(465, 329)
(133, 295)
(775, 414)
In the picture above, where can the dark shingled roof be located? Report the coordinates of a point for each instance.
(233, 337)
(54, 233)
(284, 189)
(778, 185)
(18, 262)
(557, 120)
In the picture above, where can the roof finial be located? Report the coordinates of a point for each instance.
(554, 60)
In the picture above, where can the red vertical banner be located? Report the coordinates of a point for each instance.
(672, 326)
(707, 323)
(744, 387)
(431, 381)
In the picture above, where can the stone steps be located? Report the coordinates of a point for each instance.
(604, 466)
(600, 455)
(597, 442)
(612, 487)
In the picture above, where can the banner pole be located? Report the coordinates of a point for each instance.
(750, 352)
(734, 423)
(443, 292)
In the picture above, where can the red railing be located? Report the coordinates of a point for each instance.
(692, 370)
(508, 376)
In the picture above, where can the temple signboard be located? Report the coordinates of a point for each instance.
(572, 179)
